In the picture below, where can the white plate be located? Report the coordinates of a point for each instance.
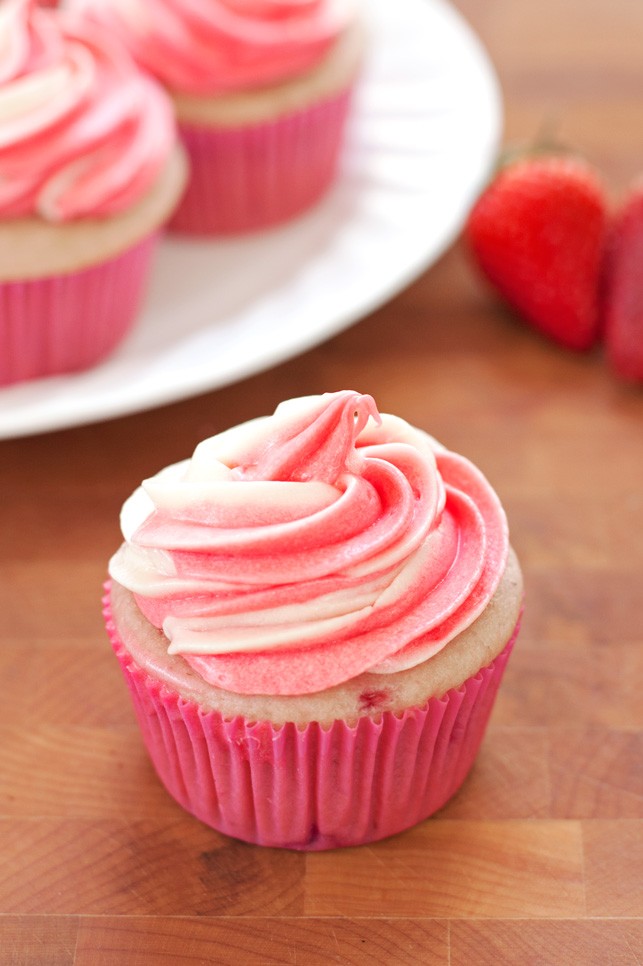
(425, 131)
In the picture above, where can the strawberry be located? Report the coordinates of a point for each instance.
(538, 233)
(623, 298)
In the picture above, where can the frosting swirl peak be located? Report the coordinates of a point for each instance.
(296, 551)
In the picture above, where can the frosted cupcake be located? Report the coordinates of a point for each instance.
(262, 92)
(313, 615)
(90, 169)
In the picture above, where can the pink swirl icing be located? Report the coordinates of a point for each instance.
(294, 552)
(213, 46)
(82, 131)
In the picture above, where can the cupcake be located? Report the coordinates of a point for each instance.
(262, 92)
(90, 169)
(313, 615)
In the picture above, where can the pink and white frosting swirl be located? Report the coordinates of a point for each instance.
(215, 46)
(83, 132)
(293, 552)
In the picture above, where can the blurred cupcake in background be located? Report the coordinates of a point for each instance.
(262, 90)
(90, 169)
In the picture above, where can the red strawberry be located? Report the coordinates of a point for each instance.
(623, 307)
(538, 234)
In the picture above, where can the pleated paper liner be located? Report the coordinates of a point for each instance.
(69, 322)
(316, 787)
(257, 175)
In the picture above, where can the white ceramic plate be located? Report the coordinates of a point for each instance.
(425, 131)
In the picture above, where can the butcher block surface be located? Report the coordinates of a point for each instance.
(539, 857)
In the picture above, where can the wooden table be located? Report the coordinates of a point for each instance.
(539, 858)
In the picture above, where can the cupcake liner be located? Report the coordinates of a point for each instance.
(260, 174)
(314, 787)
(68, 322)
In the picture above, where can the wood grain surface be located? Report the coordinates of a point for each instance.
(539, 858)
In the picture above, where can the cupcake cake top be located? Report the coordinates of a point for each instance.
(218, 46)
(296, 551)
(83, 132)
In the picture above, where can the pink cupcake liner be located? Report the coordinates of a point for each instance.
(316, 787)
(69, 322)
(261, 174)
